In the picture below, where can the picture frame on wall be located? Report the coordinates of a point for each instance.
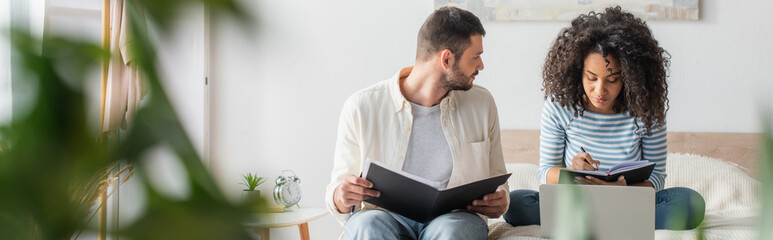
(565, 10)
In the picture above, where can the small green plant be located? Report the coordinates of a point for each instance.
(252, 181)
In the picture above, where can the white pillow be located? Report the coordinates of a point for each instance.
(732, 196)
(524, 176)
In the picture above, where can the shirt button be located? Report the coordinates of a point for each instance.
(400, 157)
(407, 128)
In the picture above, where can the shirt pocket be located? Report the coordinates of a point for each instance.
(477, 158)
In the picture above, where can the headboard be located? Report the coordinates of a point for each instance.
(522, 146)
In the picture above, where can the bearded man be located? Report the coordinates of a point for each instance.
(429, 120)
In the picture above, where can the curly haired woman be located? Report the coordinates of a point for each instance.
(606, 101)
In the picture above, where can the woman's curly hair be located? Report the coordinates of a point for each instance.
(643, 64)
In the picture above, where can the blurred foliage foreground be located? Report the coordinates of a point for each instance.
(52, 166)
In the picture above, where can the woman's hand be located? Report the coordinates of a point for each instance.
(583, 161)
(588, 180)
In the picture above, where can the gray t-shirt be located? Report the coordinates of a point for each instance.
(429, 155)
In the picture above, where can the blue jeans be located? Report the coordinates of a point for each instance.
(676, 208)
(382, 224)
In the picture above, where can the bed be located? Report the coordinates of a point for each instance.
(732, 200)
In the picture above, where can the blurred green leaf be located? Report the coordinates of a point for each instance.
(766, 172)
(51, 164)
(201, 216)
(50, 150)
(163, 13)
(573, 213)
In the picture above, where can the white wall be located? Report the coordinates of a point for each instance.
(276, 97)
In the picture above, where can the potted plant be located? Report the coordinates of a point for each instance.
(251, 181)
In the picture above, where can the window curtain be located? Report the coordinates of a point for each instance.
(125, 87)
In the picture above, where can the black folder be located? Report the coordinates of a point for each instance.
(420, 199)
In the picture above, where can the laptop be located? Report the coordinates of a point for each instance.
(610, 212)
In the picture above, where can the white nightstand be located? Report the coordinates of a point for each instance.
(262, 222)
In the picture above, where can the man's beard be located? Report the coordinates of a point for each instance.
(456, 80)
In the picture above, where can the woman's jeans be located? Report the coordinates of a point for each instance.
(382, 224)
(676, 208)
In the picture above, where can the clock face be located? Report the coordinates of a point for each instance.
(291, 193)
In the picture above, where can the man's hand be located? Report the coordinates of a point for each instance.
(351, 192)
(595, 181)
(492, 205)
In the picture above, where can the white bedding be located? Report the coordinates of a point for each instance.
(731, 195)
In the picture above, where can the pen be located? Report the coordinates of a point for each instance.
(581, 149)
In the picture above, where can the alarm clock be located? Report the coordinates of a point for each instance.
(287, 191)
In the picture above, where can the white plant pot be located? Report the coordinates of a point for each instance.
(248, 195)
